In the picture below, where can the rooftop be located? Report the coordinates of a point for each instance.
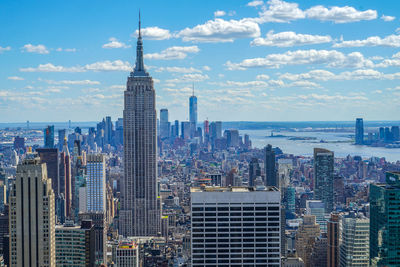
(233, 189)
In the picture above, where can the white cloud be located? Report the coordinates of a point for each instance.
(16, 78)
(219, 30)
(114, 43)
(392, 62)
(219, 13)
(178, 69)
(392, 40)
(336, 14)
(60, 49)
(323, 75)
(206, 68)
(262, 77)
(174, 52)
(255, 3)
(330, 58)
(388, 18)
(2, 49)
(38, 49)
(281, 11)
(286, 39)
(116, 65)
(154, 33)
(49, 67)
(73, 82)
(189, 78)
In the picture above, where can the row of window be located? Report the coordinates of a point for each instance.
(234, 208)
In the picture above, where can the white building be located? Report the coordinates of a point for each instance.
(96, 183)
(127, 254)
(235, 226)
(317, 208)
(354, 250)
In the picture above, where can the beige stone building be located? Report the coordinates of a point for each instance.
(32, 216)
(305, 238)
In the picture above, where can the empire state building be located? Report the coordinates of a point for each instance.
(140, 208)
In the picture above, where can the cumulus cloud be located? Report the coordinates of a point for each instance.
(179, 69)
(336, 14)
(262, 77)
(192, 77)
(220, 30)
(281, 11)
(330, 58)
(174, 52)
(117, 65)
(60, 49)
(72, 82)
(255, 3)
(219, 13)
(114, 43)
(2, 49)
(206, 68)
(388, 18)
(324, 75)
(16, 78)
(391, 62)
(392, 40)
(154, 33)
(286, 39)
(38, 49)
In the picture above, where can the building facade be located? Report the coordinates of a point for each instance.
(333, 241)
(385, 221)
(323, 177)
(271, 179)
(235, 226)
(359, 131)
(96, 183)
(32, 220)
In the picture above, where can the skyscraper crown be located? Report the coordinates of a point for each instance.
(139, 67)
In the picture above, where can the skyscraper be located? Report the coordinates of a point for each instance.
(235, 226)
(140, 209)
(254, 171)
(193, 113)
(108, 130)
(354, 250)
(50, 157)
(65, 178)
(305, 238)
(385, 221)
(96, 183)
(333, 241)
(323, 177)
(164, 123)
(49, 136)
(32, 220)
(271, 179)
(359, 131)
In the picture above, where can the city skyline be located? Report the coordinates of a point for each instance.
(297, 60)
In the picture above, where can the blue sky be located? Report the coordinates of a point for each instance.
(248, 60)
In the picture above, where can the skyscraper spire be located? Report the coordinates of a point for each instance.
(139, 67)
(192, 89)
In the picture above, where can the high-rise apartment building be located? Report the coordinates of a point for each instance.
(49, 136)
(385, 221)
(333, 240)
(75, 245)
(323, 177)
(127, 253)
(271, 179)
(354, 248)
(235, 226)
(305, 238)
(359, 131)
(96, 183)
(140, 210)
(32, 220)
